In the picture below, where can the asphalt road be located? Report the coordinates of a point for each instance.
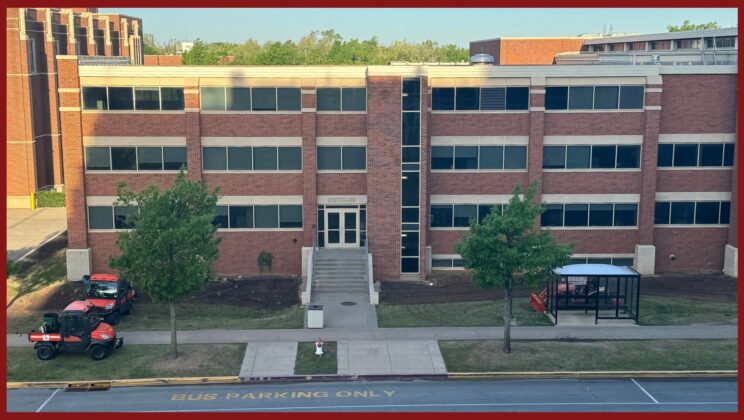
(704, 395)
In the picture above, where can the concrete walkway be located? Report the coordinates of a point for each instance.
(338, 314)
(269, 359)
(409, 357)
(456, 333)
(28, 229)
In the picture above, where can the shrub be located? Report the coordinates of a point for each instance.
(265, 260)
(50, 199)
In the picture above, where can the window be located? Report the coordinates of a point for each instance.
(685, 154)
(354, 158)
(150, 158)
(410, 188)
(238, 99)
(483, 99)
(342, 158)
(556, 97)
(578, 156)
(288, 99)
(123, 158)
(467, 99)
(631, 97)
(174, 158)
(628, 157)
(239, 158)
(341, 99)
(221, 217)
(692, 155)
(660, 45)
(290, 158)
(592, 215)
(95, 98)
(626, 214)
(617, 47)
(637, 46)
(97, 158)
(683, 44)
(264, 99)
(328, 99)
(707, 212)
(147, 98)
(329, 158)
(603, 157)
(31, 55)
(442, 157)
(459, 215)
(728, 154)
(100, 217)
(411, 95)
(665, 155)
(478, 157)
(463, 214)
(241, 217)
(689, 212)
(264, 158)
(711, 155)
(466, 157)
(600, 215)
(491, 157)
(726, 42)
(576, 215)
(120, 98)
(213, 98)
(171, 98)
(606, 97)
(493, 99)
(214, 158)
(594, 97)
(552, 216)
(580, 97)
(411, 127)
(123, 215)
(290, 216)
(515, 157)
(661, 213)
(594, 157)
(554, 157)
(682, 213)
(442, 99)
(441, 216)
(252, 158)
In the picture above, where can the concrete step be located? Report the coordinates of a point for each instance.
(334, 266)
(339, 284)
(326, 289)
(341, 279)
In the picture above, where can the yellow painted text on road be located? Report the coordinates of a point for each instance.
(281, 395)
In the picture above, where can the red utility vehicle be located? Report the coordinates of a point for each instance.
(79, 329)
(110, 294)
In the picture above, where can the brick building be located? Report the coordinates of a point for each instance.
(34, 37)
(636, 163)
(528, 50)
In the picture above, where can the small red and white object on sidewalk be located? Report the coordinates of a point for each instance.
(319, 347)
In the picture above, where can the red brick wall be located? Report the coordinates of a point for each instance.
(239, 252)
(475, 183)
(479, 124)
(251, 125)
(335, 125)
(695, 103)
(342, 184)
(693, 180)
(594, 123)
(106, 184)
(536, 50)
(255, 183)
(695, 249)
(135, 125)
(443, 241)
(591, 182)
(162, 60)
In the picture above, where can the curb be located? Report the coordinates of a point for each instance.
(329, 378)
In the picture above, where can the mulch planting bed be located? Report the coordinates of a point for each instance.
(457, 287)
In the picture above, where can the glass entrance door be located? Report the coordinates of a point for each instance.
(342, 228)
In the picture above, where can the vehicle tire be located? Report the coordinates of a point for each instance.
(45, 352)
(114, 318)
(99, 352)
(128, 307)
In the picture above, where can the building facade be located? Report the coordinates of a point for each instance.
(34, 37)
(636, 164)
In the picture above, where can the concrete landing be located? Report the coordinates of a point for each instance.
(269, 359)
(336, 315)
(579, 318)
(420, 357)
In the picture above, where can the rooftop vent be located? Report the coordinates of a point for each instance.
(481, 59)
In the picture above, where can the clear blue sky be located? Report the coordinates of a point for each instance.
(455, 26)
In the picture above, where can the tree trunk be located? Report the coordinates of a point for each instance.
(507, 318)
(174, 345)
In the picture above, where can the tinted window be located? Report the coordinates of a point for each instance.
(623, 262)
(463, 214)
(600, 215)
(174, 158)
(728, 154)
(556, 98)
(711, 154)
(682, 213)
(493, 99)
(328, 99)
(354, 158)
(147, 98)
(267, 216)
(442, 157)
(241, 217)
(441, 216)
(123, 158)
(517, 98)
(288, 99)
(664, 157)
(685, 154)
(290, 158)
(94, 98)
(491, 157)
(412, 94)
(410, 154)
(264, 159)
(220, 217)
(120, 98)
(213, 98)
(467, 99)
(485, 210)
(631, 97)
(171, 99)
(661, 213)
(239, 158)
(97, 158)
(577, 215)
(150, 158)
(409, 265)
(580, 97)
(329, 158)
(214, 158)
(442, 99)
(554, 157)
(725, 211)
(552, 216)
(410, 189)
(122, 216)
(411, 126)
(100, 217)
(577, 157)
(603, 157)
(515, 157)
(605, 97)
(290, 216)
(410, 215)
(628, 156)
(707, 212)
(264, 99)
(466, 157)
(625, 214)
(355, 99)
(238, 99)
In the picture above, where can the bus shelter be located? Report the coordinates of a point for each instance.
(609, 291)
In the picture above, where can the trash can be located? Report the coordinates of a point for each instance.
(315, 316)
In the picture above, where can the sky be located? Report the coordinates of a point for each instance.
(446, 26)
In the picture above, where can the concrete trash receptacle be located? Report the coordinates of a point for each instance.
(315, 316)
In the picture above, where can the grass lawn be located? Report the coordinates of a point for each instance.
(658, 310)
(308, 363)
(557, 356)
(29, 277)
(130, 361)
(457, 314)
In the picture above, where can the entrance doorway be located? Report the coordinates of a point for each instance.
(342, 228)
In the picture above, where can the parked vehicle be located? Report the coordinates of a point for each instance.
(110, 294)
(79, 329)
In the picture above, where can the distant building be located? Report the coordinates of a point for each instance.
(184, 46)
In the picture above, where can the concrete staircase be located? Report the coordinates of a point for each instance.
(340, 271)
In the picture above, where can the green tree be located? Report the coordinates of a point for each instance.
(687, 26)
(169, 251)
(150, 46)
(509, 250)
(200, 53)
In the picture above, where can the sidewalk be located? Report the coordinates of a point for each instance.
(28, 229)
(402, 334)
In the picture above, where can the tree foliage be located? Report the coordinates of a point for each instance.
(508, 250)
(169, 252)
(687, 26)
(317, 47)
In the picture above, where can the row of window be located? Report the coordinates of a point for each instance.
(147, 158)
(341, 99)
(623, 262)
(345, 158)
(133, 98)
(252, 158)
(687, 154)
(258, 217)
(665, 45)
(477, 98)
(250, 99)
(478, 157)
(110, 217)
(594, 97)
(692, 212)
(594, 215)
(447, 263)
(594, 157)
(459, 215)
